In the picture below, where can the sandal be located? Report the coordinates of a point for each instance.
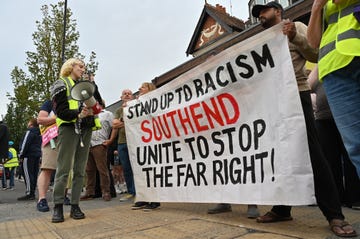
(342, 228)
(272, 217)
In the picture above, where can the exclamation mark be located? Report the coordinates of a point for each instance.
(272, 165)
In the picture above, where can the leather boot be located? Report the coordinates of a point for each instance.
(58, 215)
(76, 213)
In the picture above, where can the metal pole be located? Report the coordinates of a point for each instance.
(64, 34)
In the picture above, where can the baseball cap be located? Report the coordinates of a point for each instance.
(258, 8)
(11, 143)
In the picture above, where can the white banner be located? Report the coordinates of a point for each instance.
(229, 130)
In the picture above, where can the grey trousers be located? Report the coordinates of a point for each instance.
(71, 155)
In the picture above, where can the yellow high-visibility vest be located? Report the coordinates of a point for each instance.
(340, 42)
(74, 105)
(13, 162)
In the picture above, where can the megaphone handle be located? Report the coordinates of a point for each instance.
(81, 105)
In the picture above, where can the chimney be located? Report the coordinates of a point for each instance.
(220, 8)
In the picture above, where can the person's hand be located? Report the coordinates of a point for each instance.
(85, 112)
(121, 124)
(319, 4)
(107, 142)
(289, 29)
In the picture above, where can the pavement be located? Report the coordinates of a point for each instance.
(115, 219)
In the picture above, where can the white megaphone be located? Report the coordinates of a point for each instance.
(84, 91)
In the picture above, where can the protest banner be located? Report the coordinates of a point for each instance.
(229, 130)
(48, 133)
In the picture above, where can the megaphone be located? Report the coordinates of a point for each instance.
(84, 91)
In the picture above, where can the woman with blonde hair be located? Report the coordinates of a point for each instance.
(146, 87)
(75, 128)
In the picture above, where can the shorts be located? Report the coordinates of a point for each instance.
(49, 157)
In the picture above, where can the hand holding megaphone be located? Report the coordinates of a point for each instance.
(85, 112)
(84, 91)
(95, 109)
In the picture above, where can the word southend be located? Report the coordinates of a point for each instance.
(222, 77)
(222, 109)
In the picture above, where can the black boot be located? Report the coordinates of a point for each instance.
(58, 215)
(76, 213)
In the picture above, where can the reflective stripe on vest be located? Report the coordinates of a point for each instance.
(333, 18)
(73, 104)
(349, 34)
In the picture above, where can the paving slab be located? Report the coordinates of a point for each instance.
(115, 219)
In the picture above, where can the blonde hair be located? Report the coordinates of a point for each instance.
(149, 85)
(67, 67)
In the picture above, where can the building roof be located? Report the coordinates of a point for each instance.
(300, 11)
(214, 23)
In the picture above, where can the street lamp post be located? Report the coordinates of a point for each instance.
(64, 34)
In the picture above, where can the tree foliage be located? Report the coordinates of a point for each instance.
(31, 88)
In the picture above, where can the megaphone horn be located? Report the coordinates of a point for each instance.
(82, 91)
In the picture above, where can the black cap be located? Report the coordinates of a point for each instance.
(258, 8)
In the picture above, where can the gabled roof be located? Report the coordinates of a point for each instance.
(214, 23)
(300, 11)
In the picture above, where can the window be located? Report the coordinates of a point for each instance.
(284, 3)
(252, 3)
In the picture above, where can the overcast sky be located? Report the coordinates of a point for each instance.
(135, 41)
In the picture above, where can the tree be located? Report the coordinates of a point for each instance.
(45, 63)
(92, 66)
(33, 88)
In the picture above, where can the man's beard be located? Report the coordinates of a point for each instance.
(267, 22)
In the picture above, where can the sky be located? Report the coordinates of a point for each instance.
(134, 41)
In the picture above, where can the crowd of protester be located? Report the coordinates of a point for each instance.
(82, 147)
